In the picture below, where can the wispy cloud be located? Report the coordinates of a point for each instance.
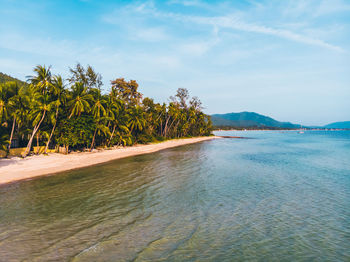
(235, 22)
(239, 49)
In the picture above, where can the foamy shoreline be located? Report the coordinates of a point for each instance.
(15, 169)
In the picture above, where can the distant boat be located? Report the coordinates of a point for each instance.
(301, 130)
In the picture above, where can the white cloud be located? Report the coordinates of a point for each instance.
(236, 24)
(236, 21)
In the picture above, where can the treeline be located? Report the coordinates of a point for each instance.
(50, 111)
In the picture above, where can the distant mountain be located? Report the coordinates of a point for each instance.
(249, 119)
(345, 124)
(6, 78)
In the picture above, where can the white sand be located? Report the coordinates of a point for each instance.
(16, 168)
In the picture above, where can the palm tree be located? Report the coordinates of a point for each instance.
(42, 80)
(20, 105)
(98, 111)
(137, 119)
(100, 129)
(60, 98)
(13, 103)
(4, 142)
(174, 112)
(115, 116)
(5, 95)
(41, 105)
(79, 100)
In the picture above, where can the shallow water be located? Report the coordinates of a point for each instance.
(282, 196)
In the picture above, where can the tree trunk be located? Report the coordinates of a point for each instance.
(53, 130)
(110, 139)
(166, 126)
(37, 143)
(161, 127)
(12, 130)
(48, 141)
(93, 140)
(171, 124)
(175, 128)
(36, 128)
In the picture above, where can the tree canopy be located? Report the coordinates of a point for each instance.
(77, 114)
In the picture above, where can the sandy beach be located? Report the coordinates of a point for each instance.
(14, 169)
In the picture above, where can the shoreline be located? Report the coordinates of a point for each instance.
(16, 169)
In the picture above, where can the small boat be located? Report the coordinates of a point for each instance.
(301, 130)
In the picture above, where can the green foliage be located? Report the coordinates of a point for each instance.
(6, 78)
(75, 132)
(81, 115)
(4, 141)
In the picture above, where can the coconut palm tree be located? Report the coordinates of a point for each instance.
(60, 95)
(4, 142)
(98, 111)
(42, 80)
(13, 103)
(41, 105)
(114, 108)
(174, 112)
(101, 129)
(79, 100)
(137, 119)
(99, 107)
(5, 95)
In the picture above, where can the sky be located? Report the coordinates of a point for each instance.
(286, 59)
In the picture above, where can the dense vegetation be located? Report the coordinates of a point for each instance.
(76, 113)
(6, 78)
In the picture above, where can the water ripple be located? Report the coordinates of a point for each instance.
(280, 197)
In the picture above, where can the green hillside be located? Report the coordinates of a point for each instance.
(248, 120)
(345, 124)
(6, 78)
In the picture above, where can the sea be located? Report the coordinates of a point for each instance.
(270, 196)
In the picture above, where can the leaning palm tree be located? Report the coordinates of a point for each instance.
(101, 129)
(79, 100)
(60, 95)
(13, 104)
(41, 105)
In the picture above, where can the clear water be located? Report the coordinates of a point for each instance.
(282, 196)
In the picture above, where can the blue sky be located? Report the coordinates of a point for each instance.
(287, 59)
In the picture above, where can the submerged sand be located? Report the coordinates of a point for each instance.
(16, 168)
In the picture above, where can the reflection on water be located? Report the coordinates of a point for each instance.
(279, 197)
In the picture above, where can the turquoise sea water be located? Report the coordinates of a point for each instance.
(281, 196)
